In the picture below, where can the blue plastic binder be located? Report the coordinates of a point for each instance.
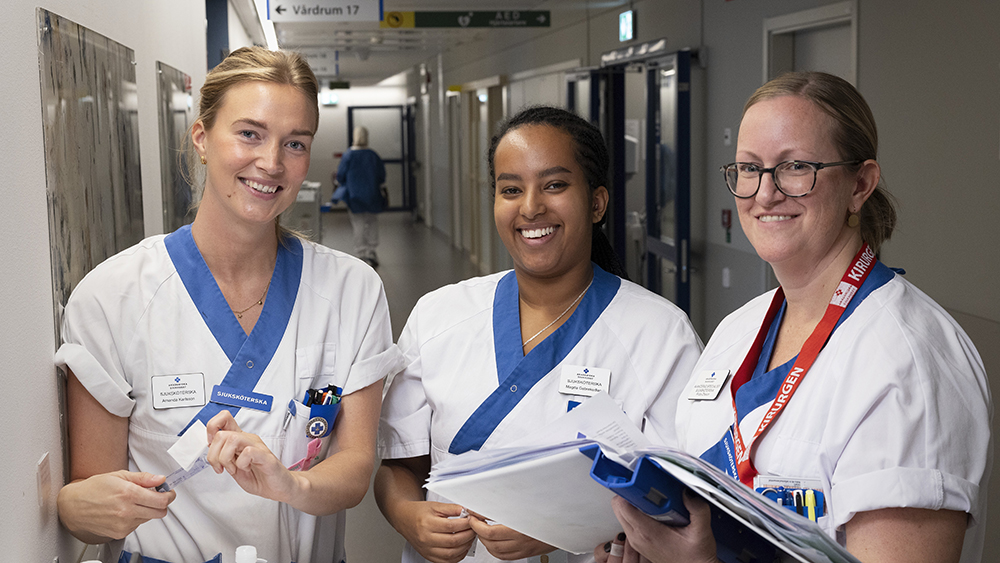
(648, 488)
(661, 496)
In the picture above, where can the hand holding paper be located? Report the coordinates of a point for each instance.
(244, 456)
(440, 532)
(545, 489)
(505, 543)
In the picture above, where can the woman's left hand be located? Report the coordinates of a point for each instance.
(659, 543)
(244, 456)
(505, 543)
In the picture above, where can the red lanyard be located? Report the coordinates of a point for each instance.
(849, 285)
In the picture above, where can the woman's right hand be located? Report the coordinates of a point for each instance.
(437, 530)
(112, 505)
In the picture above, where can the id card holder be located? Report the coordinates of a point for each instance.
(321, 419)
(800, 495)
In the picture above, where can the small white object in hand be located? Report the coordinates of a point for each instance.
(191, 446)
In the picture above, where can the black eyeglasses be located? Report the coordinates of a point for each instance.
(794, 178)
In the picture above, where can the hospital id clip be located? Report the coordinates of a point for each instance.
(312, 450)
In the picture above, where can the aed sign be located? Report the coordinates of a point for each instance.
(511, 19)
(324, 10)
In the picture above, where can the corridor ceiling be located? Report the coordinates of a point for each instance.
(364, 54)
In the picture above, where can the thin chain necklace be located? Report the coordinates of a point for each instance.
(578, 297)
(239, 314)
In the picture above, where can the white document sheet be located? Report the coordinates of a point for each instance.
(540, 485)
(552, 499)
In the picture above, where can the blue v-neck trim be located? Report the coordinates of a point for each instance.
(249, 354)
(517, 373)
(204, 291)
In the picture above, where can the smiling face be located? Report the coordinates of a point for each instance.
(809, 230)
(543, 208)
(257, 151)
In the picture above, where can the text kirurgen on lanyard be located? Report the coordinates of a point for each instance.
(849, 285)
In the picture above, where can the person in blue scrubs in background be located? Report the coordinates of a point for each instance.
(361, 175)
(485, 358)
(167, 332)
(847, 377)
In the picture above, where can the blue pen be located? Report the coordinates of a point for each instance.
(288, 414)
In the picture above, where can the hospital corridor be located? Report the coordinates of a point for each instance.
(545, 281)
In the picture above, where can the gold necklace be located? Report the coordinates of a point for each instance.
(525, 343)
(239, 314)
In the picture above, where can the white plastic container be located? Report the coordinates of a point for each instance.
(247, 554)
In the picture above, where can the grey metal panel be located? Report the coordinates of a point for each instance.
(90, 129)
(176, 114)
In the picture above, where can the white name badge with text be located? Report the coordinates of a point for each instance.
(584, 380)
(178, 390)
(707, 385)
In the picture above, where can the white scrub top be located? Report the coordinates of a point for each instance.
(459, 338)
(150, 311)
(895, 411)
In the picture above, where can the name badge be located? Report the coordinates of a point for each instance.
(583, 380)
(179, 390)
(707, 385)
(774, 481)
(239, 398)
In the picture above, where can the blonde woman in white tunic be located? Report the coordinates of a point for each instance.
(167, 332)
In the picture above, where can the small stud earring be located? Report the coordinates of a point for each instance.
(203, 161)
(853, 220)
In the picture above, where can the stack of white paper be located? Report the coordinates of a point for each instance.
(541, 486)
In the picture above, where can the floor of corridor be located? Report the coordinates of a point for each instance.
(413, 260)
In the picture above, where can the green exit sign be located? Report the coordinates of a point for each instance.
(626, 25)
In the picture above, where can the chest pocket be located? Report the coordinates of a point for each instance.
(316, 363)
(792, 457)
(315, 368)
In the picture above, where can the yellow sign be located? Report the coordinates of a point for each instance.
(394, 20)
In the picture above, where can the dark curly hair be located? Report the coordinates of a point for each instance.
(592, 156)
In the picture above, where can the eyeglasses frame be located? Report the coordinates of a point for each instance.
(817, 165)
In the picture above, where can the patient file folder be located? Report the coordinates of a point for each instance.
(660, 495)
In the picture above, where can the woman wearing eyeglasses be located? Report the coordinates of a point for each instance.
(847, 378)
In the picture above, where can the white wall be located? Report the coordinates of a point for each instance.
(172, 32)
